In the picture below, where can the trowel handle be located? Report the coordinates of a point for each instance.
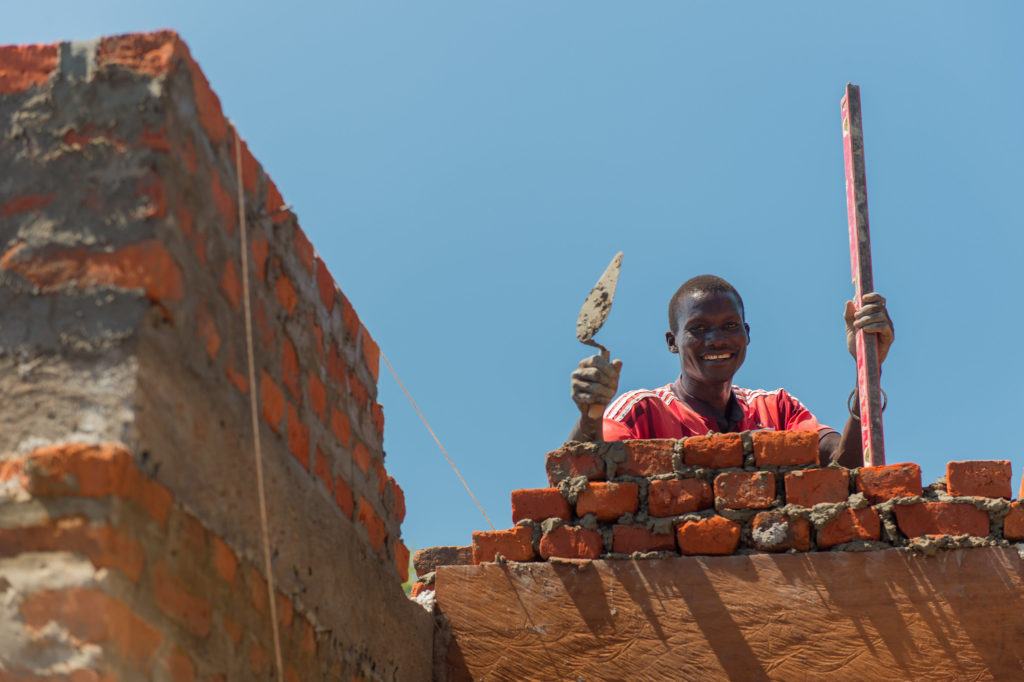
(597, 411)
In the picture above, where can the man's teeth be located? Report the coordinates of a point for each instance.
(717, 356)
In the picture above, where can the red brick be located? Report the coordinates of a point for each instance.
(361, 456)
(151, 54)
(419, 588)
(325, 284)
(266, 329)
(257, 587)
(179, 603)
(941, 518)
(515, 544)
(145, 265)
(303, 249)
(208, 332)
(402, 560)
(298, 437)
(250, 169)
(371, 354)
(231, 284)
(746, 489)
(776, 532)
(719, 451)
(539, 504)
(272, 400)
(232, 628)
(322, 470)
(343, 496)
(224, 201)
(341, 427)
(571, 542)
(103, 545)
(647, 458)
(682, 496)
(356, 389)
(224, 560)
(25, 203)
(850, 525)
(180, 666)
(284, 290)
(26, 66)
(318, 337)
(398, 500)
(885, 482)
(785, 448)
(349, 318)
(985, 478)
(290, 369)
(377, 414)
(574, 459)
(259, 659)
(260, 249)
(317, 395)
(1013, 524)
(92, 616)
(608, 501)
(285, 610)
(372, 522)
(629, 539)
(274, 204)
(237, 379)
(808, 487)
(336, 370)
(714, 535)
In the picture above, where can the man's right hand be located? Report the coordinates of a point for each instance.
(594, 382)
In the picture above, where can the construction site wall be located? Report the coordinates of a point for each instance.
(131, 545)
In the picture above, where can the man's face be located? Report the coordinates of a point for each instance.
(712, 337)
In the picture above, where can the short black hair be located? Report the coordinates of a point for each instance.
(700, 284)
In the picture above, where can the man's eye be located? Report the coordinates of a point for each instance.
(732, 326)
(696, 330)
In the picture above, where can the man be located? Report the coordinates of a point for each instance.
(708, 330)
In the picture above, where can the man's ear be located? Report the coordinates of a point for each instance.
(670, 339)
(747, 328)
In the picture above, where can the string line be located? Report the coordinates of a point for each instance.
(253, 411)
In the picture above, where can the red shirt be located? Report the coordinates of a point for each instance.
(659, 413)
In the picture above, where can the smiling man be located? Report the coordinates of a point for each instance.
(709, 332)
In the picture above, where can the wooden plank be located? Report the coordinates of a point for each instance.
(833, 615)
(868, 366)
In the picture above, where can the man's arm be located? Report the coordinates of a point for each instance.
(594, 382)
(873, 318)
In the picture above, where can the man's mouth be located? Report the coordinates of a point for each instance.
(717, 357)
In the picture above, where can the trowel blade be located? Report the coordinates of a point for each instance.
(598, 302)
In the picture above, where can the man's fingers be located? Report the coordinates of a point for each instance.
(849, 312)
(873, 297)
(872, 309)
(592, 388)
(593, 374)
(877, 318)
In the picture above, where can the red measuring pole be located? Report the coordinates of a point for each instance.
(868, 378)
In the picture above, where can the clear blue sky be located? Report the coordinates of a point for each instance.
(467, 169)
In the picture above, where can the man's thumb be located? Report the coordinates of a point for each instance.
(617, 364)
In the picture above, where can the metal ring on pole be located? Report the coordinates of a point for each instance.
(853, 394)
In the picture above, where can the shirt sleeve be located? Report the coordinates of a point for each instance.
(613, 430)
(796, 417)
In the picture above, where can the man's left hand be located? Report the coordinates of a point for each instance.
(873, 318)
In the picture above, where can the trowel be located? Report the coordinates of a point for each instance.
(595, 311)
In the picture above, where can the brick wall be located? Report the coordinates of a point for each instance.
(121, 326)
(755, 492)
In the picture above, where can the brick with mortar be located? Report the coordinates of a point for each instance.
(225, 563)
(776, 532)
(325, 285)
(272, 400)
(398, 500)
(888, 481)
(785, 448)
(284, 291)
(402, 560)
(718, 451)
(323, 468)
(745, 489)
(298, 437)
(682, 496)
(715, 535)
(608, 501)
(375, 528)
(981, 478)
(571, 542)
(317, 395)
(647, 457)
(515, 544)
(808, 487)
(341, 427)
(343, 497)
(290, 368)
(629, 539)
(231, 284)
(850, 525)
(574, 459)
(105, 546)
(1013, 524)
(179, 602)
(427, 560)
(539, 504)
(941, 518)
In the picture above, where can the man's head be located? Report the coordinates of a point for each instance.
(707, 329)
